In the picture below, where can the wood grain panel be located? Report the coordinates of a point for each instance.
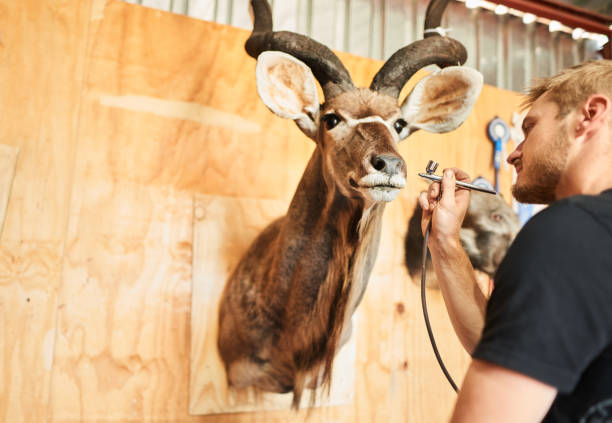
(39, 109)
(123, 330)
(415, 383)
(8, 161)
(160, 57)
(122, 344)
(42, 47)
(29, 282)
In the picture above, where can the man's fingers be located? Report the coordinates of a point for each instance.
(460, 175)
(433, 192)
(423, 201)
(426, 202)
(448, 188)
(427, 210)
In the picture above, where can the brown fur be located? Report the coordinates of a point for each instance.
(287, 303)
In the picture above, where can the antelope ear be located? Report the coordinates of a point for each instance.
(441, 101)
(286, 85)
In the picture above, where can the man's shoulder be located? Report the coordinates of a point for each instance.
(598, 205)
(568, 226)
(574, 215)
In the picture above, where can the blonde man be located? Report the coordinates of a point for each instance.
(542, 344)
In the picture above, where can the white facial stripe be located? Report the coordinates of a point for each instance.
(371, 119)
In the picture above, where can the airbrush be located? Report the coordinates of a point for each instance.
(431, 168)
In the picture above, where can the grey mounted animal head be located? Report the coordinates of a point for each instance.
(489, 227)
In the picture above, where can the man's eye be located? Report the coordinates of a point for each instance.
(399, 125)
(331, 120)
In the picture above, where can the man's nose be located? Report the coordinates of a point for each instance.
(516, 154)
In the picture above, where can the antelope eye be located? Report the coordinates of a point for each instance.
(331, 120)
(399, 125)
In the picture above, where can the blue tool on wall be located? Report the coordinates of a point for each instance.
(498, 132)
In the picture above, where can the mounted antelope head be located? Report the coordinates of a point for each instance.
(287, 307)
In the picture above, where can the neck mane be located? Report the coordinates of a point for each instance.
(326, 249)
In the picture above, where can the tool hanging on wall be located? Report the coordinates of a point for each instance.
(499, 133)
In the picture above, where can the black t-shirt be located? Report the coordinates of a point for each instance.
(550, 314)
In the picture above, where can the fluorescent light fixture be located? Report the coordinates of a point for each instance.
(529, 18)
(554, 26)
(577, 33)
(472, 4)
(501, 9)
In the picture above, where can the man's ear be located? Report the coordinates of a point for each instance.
(593, 114)
(441, 101)
(286, 85)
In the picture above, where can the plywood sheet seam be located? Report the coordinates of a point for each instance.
(81, 58)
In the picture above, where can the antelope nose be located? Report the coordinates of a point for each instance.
(390, 165)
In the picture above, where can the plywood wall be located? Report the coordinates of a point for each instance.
(125, 118)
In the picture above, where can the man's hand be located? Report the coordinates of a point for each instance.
(447, 212)
(464, 301)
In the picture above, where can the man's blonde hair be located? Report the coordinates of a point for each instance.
(573, 86)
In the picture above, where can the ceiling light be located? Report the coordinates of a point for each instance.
(554, 26)
(472, 4)
(529, 18)
(577, 33)
(501, 9)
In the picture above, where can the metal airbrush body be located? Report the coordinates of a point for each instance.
(431, 168)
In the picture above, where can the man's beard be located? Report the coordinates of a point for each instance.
(545, 173)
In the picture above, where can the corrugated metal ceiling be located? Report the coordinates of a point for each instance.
(507, 52)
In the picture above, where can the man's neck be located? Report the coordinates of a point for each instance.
(588, 168)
